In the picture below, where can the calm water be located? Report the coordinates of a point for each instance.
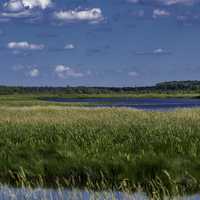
(138, 103)
(7, 193)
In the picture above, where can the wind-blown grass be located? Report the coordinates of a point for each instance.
(100, 148)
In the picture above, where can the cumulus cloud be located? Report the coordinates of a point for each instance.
(24, 46)
(34, 72)
(19, 5)
(158, 51)
(23, 8)
(18, 67)
(188, 18)
(160, 13)
(32, 10)
(21, 14)
(133, 74)
(69, 46)
(43, 4)
(139, 13)
(133, 1)
(166, 2)
(14, 5)
(173, 2)
(28, 71)
(63, 71)
(93, 15)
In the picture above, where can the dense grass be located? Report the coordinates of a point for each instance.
(101, 148)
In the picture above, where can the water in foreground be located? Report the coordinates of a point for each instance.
(8, 193)
(138, 103)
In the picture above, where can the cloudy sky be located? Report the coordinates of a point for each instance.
(98, 42)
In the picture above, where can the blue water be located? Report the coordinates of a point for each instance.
(138, 103)
(9, 193)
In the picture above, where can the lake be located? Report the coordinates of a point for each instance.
(136, 103)
(9, 193)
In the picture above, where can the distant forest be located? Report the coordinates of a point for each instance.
(173, 86)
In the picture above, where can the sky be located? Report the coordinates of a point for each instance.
(98, 42)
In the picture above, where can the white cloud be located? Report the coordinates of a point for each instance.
(88, 73)
(34, 72)
(25, 46)
(69, 46)
(166, 2)
(23, 8)
(173, 2)
(133, 74)
(43, 4)
(28, 71)
(160, 13)
(93, 15)
(18, 67)
(159, 51)
(19, 5)
(140, 13)
(21, 14)
(14, 5)
(182, 18)
(133, 1)
(63, 71)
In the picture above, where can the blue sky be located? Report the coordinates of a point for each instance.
(98, 42)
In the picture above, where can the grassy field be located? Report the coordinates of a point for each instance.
(100, 148)
(38, 99)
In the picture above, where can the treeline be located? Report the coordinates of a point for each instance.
(7, 90)
(179, 85)
(173, 86)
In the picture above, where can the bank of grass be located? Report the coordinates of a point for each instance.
(101, 148)
(41, 99)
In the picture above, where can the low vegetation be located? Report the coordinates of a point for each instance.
(100, 148)
(166, 88)
(42, 99)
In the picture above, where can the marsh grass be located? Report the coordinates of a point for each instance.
(40, 99)
(100, 149)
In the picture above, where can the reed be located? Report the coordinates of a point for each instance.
(102, 149)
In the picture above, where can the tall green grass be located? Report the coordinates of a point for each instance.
(117, 149)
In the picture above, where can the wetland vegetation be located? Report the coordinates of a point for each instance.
(51, 144)
(100, 148)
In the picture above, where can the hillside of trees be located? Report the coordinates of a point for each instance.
(179, 85)
(173, 86)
